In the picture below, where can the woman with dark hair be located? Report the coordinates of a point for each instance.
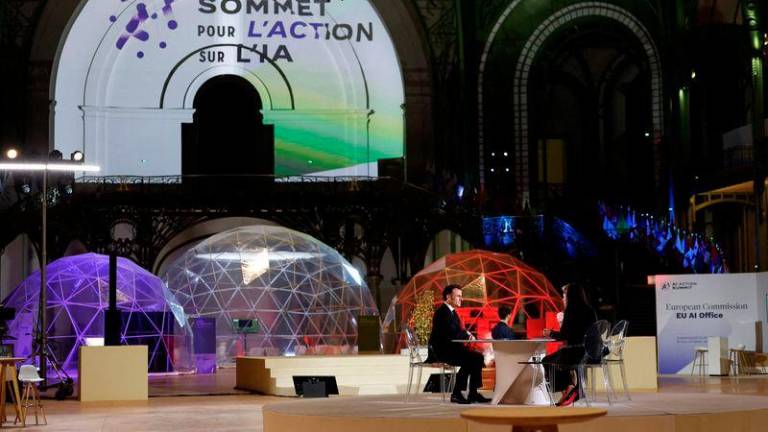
(577, 318)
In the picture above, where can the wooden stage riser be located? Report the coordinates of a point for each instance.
(355, 375)
(388, 374)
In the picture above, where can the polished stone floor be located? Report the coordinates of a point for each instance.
(198, 413)
(243, 412)
(220, 383)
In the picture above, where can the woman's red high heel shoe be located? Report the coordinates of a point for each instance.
(571, 397)
(564, 395)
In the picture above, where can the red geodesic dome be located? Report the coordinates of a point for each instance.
(488, 280)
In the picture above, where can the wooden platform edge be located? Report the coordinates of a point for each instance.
(743, 421)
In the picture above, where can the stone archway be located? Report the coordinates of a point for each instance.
(526, 60)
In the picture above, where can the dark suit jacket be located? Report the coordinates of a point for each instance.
(446, 327)
(502, 331)
(576, 321)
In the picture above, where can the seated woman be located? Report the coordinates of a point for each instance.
(577, 318)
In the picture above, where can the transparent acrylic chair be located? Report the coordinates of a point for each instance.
(594, 358)
(615, 344)
(416, 362)
(538, 365)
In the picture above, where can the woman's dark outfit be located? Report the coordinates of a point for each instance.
(576, 321)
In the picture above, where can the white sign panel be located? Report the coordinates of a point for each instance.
(691, 308)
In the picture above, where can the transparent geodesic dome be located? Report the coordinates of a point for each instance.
(302, 296)
(77, 295)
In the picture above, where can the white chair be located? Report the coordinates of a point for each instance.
(700, 360)
(31, 395)
(416, 362)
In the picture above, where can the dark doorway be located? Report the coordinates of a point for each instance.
(228, 136)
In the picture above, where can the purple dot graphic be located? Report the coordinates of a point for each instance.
(140, 54)
(112, 18)
(163, 45)
(154, 15)
(172, 24)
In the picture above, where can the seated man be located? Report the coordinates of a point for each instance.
(502, 329)
(446, 327)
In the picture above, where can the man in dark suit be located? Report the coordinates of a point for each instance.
(502, 330)
(446, 327)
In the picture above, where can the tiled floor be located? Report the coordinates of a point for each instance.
(244, 412)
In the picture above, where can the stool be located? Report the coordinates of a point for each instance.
(537, 419)
(700, 358)
(738, 358)
(29, 377)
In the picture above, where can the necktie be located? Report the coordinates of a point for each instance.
(456, 316)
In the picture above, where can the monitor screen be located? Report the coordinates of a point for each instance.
(330, 383)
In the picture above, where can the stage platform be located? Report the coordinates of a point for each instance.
(387, 374)
(647, 412)
(365, 374)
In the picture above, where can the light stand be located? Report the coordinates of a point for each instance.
(59, 166)
(42, 321)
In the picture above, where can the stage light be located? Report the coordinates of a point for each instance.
(493, 170)
(11, 153)
(493, 154)
(45, 167)
(507, 169)
(693, 75)
(77, 156)
(506, 154)
(71, 168)
(647, 134)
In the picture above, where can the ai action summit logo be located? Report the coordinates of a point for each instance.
(677, 285)
(135, 27)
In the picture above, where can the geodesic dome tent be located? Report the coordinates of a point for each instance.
(488, 280)
(77, 295)
(302, 295)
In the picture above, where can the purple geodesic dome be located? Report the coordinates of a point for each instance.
(77, 295)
